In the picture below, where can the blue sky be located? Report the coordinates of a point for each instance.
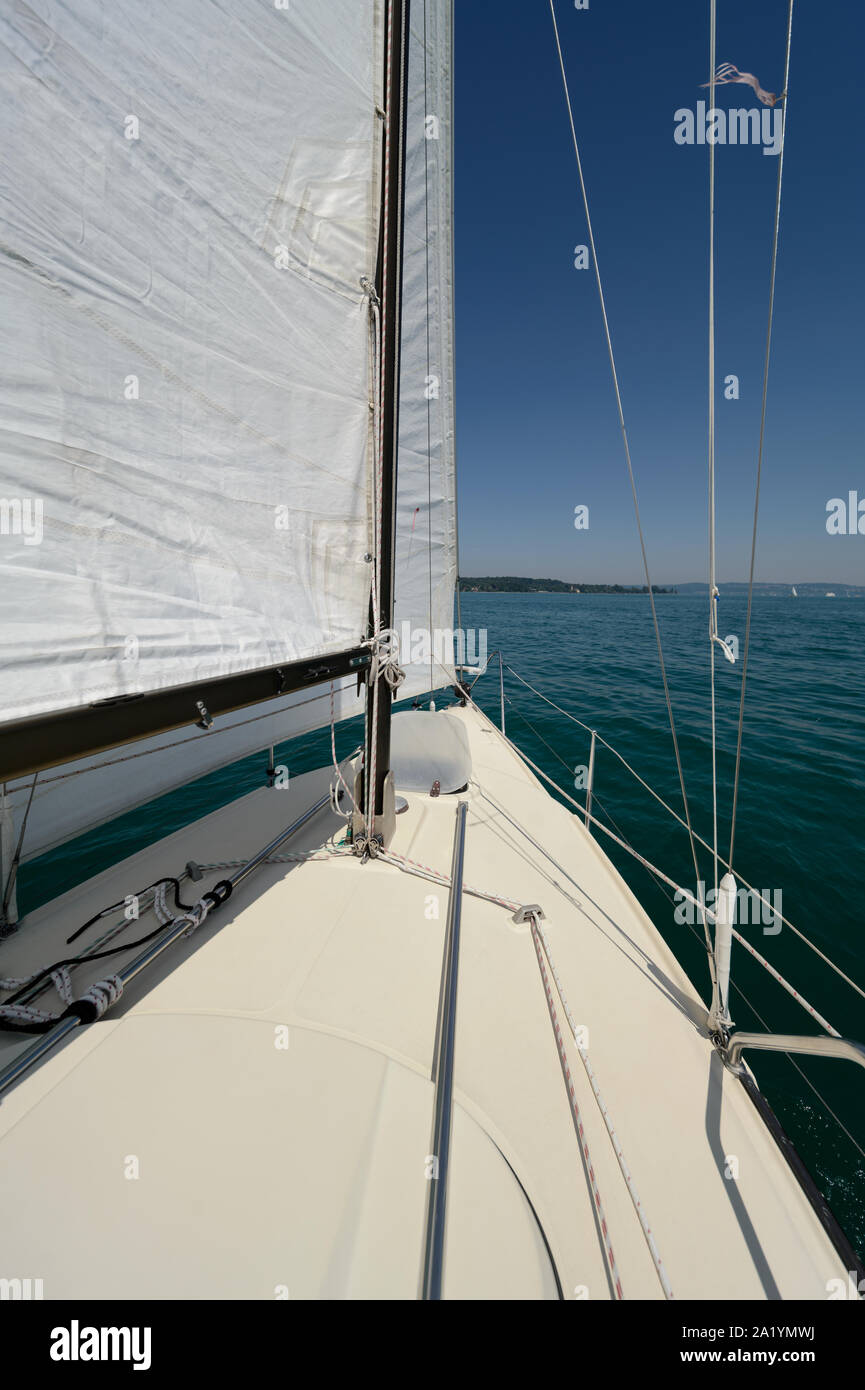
(537, 430)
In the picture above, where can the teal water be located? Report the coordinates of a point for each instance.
(801, 819)
(801, 815)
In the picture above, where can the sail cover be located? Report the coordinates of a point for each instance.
(255, 102)
(190, 201)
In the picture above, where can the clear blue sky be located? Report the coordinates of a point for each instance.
(537, 431)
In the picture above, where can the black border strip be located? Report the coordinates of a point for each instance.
(531, 1207)
(29, 745)
(818, 1202)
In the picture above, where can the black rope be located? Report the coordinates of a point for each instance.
(185, 907)
(217, 895)
(82, 960)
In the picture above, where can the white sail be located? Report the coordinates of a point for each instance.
(191, 198)
(79, 796)
(426, 550)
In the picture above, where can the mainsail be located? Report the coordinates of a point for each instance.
(186, 373)
(187, 379)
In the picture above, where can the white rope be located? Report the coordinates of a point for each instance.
(331, 852)
(101, 996)
(194, 916)
(339, 779)
(412, 866)
(161, 910)
(376, 387)
(104, 994)
(385, 657)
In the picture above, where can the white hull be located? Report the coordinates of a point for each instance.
(301, 1171)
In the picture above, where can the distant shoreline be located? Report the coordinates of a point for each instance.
(506, 584)
(513, 584)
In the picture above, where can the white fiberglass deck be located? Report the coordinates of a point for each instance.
(266, 1170)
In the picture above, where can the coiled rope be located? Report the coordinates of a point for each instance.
(90, 1006)
(102, 995)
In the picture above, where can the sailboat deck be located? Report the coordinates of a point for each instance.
(253, 1119)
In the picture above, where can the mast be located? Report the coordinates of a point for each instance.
(389, 289)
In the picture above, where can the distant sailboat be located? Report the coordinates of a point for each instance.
(793, 591)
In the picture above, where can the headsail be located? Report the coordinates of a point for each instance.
(426, 550)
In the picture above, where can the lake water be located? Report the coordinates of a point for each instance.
(801, 819)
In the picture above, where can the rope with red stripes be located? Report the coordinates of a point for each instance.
(577, 1117)
(426, 871)
(614, 1138)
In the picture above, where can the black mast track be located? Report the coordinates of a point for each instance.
(30, 745)
(389, 268)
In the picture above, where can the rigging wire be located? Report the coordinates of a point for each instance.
(662, 882)
(772, 276)
(429, 399)
(738, 988)
(662, 877)
(16, 858)
(669, 809)
(686, 896)
(693, 930)
(621, 413)
(713, 588)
